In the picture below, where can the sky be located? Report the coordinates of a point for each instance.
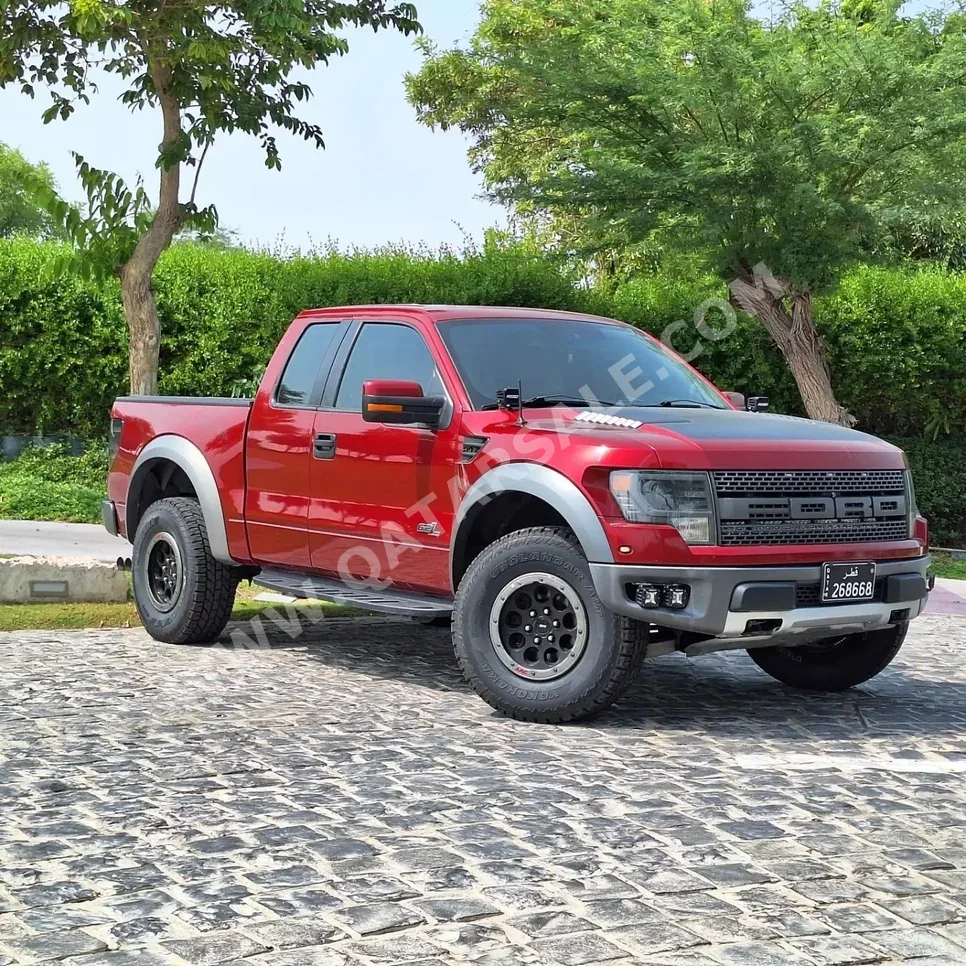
(382, 178)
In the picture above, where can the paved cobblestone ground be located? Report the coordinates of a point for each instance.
(343, 799)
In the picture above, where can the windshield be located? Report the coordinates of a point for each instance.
(559, 360)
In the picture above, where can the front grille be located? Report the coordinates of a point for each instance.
(809, 595)
(809, 482)
(746, 533)
(780, 507)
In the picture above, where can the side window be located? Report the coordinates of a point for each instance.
(302, 369)
(386, 351)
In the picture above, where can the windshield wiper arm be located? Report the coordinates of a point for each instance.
(685, 404)
(554, 399)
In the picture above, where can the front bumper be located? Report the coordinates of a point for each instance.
(745, 604)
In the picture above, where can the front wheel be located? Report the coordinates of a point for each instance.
(833, 664)
(183, 595)
(532, 636)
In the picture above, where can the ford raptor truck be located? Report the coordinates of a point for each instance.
(563, 490)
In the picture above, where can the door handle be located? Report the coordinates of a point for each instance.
(323, 448)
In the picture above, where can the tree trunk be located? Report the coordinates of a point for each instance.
(767, 298)
(137, 290)
(144, 327)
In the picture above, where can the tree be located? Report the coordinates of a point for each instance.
(783, 150)
(20, 213)
(209, 67)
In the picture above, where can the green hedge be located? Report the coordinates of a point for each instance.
(49, 484)
(939, 476)
(896, 337)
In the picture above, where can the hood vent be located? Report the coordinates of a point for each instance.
(604, 419)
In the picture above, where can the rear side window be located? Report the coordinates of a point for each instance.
(302, 369)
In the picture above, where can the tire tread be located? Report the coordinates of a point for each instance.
(212, 595)
(602, 691)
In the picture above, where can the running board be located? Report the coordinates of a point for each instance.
(390, 601)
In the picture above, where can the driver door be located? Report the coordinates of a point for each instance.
(381, 508)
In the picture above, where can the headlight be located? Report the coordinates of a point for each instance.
(680, 500)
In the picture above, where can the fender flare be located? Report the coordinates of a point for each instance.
(546, 484)
(184, 454)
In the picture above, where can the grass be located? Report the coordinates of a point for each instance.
(943, 565)
(66, 615)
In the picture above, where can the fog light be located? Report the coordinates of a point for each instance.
(648, 595)
(676, 596)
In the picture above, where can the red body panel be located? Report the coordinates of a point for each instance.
(386, 502)
(218, 431)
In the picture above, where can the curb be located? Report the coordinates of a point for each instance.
(29, 579)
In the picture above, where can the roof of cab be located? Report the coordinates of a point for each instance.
(443, 313)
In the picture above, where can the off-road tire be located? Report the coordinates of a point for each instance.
(856, 658)
(207, 586)
(611, 658)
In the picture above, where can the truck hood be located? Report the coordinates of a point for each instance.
(726, 438)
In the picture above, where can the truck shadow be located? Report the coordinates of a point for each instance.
(722, 694)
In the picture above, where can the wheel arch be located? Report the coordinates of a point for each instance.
(174, 466)
(549, 496)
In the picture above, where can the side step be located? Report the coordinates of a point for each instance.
(388, 601)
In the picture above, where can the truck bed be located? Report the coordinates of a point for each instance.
(215, 425)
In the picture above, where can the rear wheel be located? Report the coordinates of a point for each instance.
(183, 595)
(532, 636)
(832, 664)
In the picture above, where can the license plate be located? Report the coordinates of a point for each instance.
(848, 582)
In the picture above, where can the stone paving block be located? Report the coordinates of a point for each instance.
(656, 937)
(379, 917)
(928, 910)
(306, 956)
(373, 888)
(913, 943)
(542, 924)
(120, 957)
(758, 954)
(284, 933)
(520, 898)
(215, 949)
(729, 929)
(456, 909)
(400, 948)
(610, 913)
(298, 902)
(53, 945)
(467, 939)
(857, 918)
(839, 950)
(578, 949)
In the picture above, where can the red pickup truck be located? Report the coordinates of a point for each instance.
(563, 488)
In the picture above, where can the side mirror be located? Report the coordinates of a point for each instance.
(754, 404)
(398, 401)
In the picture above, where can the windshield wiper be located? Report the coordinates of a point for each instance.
(555, 399)
(685, 404)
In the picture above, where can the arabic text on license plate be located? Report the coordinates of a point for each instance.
(848, 582)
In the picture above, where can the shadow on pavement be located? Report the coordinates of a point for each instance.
(724, 694)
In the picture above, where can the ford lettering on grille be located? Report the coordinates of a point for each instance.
(811, 506)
